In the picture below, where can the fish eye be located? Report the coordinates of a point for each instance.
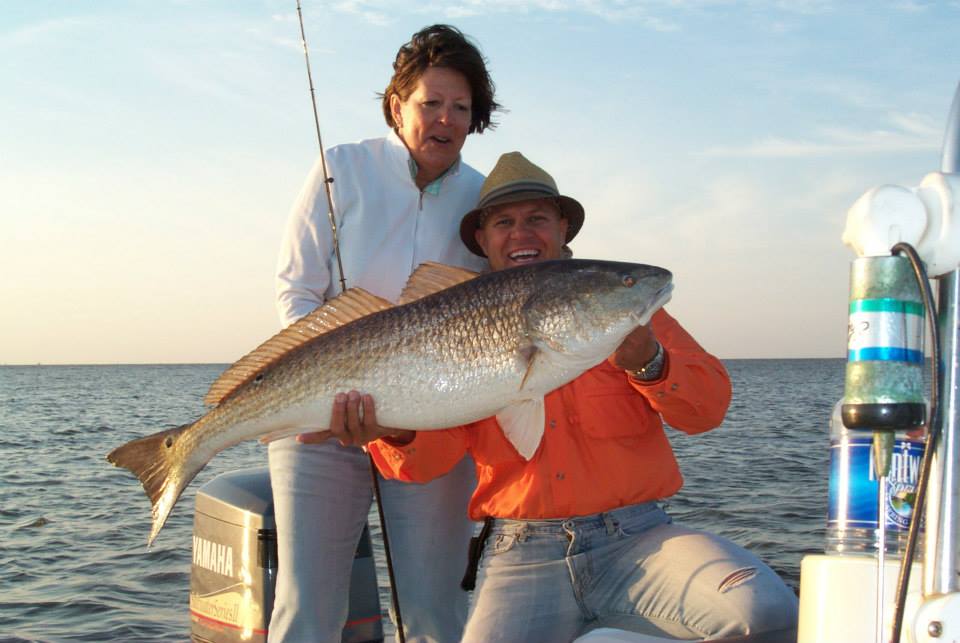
(628, 281)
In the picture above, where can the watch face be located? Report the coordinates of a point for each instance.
(650, 370)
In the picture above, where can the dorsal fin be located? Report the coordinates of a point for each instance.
(431, 277)
(351, 305)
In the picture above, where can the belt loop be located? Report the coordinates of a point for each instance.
(610, 523)
(523, 532)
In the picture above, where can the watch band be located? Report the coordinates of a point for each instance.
(653, 369)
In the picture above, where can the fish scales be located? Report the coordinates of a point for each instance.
(491, 346)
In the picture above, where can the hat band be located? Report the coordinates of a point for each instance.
(517, 186)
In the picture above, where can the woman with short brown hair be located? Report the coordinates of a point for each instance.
(397, 202)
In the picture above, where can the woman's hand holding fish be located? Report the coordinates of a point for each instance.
(353, 421)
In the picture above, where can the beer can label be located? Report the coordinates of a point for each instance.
(885, 330)
(853, 491)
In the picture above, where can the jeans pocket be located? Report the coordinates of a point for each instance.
(502, 543)
(636, 525)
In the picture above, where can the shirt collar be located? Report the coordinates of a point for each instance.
(432, 188)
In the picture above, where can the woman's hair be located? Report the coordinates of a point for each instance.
(443, 46)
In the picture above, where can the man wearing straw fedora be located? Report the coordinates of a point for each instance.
(574, 540)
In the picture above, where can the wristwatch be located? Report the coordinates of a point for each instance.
(652, 370)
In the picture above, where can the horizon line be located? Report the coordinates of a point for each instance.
(44, 364)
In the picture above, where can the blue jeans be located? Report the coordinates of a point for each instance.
(322, 494)
(630, 569)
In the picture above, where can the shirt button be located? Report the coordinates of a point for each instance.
(674, 386)
(553, 424)
(560, 476)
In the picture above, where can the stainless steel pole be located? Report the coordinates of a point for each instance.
(942, 547)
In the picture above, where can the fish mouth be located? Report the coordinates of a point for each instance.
(660, 298)
(663, 295)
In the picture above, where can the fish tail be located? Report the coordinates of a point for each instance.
(160, 469)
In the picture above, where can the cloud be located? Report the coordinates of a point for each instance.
(287, 41)
(920, 124)
(716, 211)
(846, 90)
(44, 32)
(622, 11)
(460, 12)
(370, 11)
(650, 14)
(803, 7)
(910, 6)
(904, 133)
(655, 15)
(756, 256)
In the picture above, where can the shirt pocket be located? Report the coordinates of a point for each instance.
(614, 411)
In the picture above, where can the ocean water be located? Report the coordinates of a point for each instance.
(74, 565)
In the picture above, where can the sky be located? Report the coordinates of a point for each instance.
(150, 152)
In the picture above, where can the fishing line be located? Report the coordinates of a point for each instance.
(375, 480)
(933, 434)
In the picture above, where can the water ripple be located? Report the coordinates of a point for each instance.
(74, 565)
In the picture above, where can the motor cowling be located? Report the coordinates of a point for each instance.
(234, 565)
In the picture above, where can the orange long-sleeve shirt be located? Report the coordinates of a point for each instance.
(603, 445)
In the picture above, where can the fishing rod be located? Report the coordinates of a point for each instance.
(327, 180)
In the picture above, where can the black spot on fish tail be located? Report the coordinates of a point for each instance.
(158, 467)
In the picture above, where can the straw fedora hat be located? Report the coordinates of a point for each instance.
(514, 178)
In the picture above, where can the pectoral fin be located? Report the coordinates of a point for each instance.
(531, 356)
(522, 423)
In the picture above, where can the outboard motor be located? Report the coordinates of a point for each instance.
(234, 566)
